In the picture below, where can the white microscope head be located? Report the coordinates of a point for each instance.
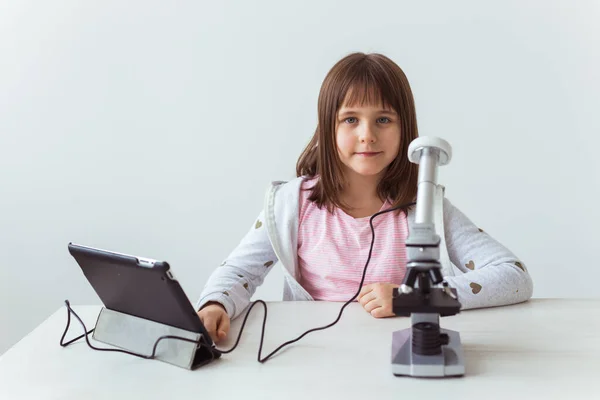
(442, 147)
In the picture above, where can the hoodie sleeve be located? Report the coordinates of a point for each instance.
(491, 275)
(234, 282)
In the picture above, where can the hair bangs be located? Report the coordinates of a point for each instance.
(369, 88)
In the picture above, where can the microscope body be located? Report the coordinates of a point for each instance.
(425, 349)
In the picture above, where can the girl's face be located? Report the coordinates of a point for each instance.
(368, 138)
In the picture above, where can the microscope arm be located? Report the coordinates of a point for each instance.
(422, 245)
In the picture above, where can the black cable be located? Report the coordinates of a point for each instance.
(262, 335)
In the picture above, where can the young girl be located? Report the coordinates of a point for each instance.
(317, 225)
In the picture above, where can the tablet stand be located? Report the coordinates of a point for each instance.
(139, 335)
(146, 339)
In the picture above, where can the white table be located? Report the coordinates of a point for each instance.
(547, 349)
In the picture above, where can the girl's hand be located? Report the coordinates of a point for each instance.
(376, 298)
(215, 320)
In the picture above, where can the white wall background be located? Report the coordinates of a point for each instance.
(154, 128)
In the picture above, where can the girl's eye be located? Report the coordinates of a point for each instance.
(353, 120)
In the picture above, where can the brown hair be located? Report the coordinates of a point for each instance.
(366, 79)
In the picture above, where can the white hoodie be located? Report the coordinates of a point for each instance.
(483, 271)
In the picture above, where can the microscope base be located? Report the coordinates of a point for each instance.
(405, 362)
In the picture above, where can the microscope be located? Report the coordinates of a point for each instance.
(425, 349)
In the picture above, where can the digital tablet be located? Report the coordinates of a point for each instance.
(138, 286)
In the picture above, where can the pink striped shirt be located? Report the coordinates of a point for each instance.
(333, 249)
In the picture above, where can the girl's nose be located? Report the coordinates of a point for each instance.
(367, 135)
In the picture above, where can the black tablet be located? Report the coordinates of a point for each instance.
(138, 286)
